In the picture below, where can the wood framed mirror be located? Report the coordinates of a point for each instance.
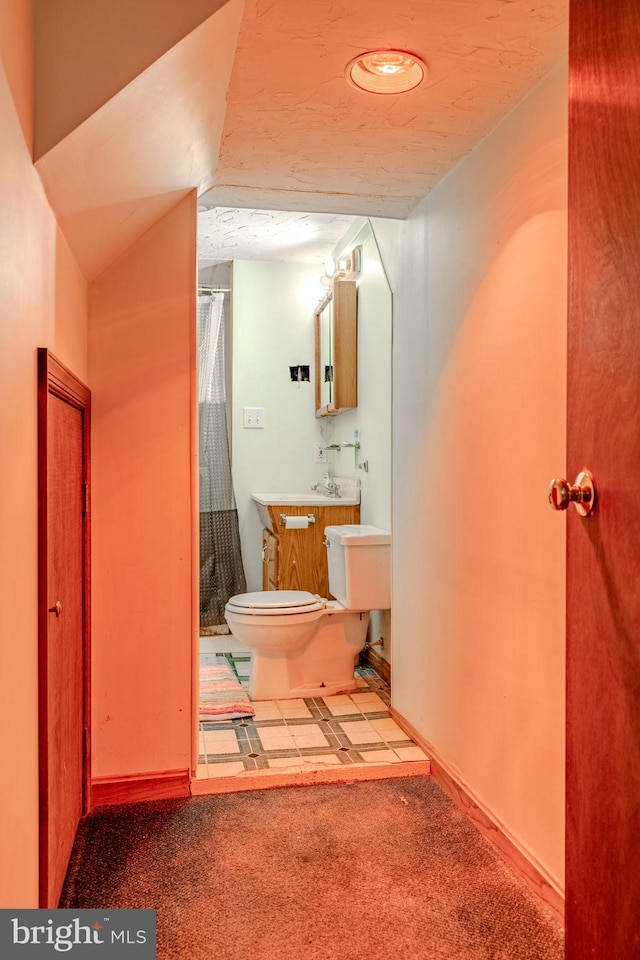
(336, 331)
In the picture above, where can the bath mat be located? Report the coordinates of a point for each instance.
(222, 696)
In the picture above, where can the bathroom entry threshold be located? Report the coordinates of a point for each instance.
(300, 777)
(311, 740)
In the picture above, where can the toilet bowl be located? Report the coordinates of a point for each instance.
(304, 645)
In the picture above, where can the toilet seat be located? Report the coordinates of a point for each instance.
(275, 603)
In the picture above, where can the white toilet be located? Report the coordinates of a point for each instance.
(304, 645)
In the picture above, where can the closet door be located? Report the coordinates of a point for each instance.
(63, 462)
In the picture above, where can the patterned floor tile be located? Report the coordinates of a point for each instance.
(343, 709)
(276, 738)
(343, 741)
(309, 736)
(389, 729)
(379, 756)
(226, 769)
(321, 759)
(219, 734)
(283, 763)
(224, 747)
(265, 710)
(311, 733)
(293, 709)
(285, 752)
(361, 731)
(410, 753)
(367, 698)
(332, 739)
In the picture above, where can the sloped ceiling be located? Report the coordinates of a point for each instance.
(298, 136)
(125, 166)
(89, 50)
(251, 109)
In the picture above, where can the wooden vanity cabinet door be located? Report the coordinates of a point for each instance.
(300, 556)
(299, 560)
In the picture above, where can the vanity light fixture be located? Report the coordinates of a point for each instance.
(346, 265)
(335, 267)
(386, 71)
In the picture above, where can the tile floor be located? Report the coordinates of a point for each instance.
(309, 734)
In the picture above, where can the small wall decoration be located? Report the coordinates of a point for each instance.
(300, 373)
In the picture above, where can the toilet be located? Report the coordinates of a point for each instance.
(304, 645)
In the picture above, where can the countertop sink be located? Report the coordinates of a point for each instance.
(349, 496)
(311, 498)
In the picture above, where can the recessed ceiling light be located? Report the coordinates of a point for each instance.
(386, 71)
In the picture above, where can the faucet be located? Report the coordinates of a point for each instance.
(327, 486)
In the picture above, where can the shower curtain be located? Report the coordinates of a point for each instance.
(221, 570)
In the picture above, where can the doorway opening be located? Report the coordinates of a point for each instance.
(273, 263)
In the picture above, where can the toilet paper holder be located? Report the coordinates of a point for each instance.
(284, 517)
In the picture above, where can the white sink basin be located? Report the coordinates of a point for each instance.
(310, 498)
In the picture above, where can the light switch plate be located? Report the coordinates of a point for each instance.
(253, 418)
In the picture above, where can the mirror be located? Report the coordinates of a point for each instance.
(336, 350)
(324, 320)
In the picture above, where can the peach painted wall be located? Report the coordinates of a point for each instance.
(479, 429)
(43, 302)
(141, 343)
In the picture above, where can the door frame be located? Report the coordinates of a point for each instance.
(56, 380)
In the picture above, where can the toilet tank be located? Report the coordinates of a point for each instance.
(359, 561)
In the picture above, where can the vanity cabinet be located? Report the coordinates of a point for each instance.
(297, 559)
(336, 328)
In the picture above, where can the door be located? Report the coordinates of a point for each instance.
(63, 616)
(603, 587)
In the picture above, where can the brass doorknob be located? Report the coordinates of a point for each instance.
(582, 493)
(57, 608)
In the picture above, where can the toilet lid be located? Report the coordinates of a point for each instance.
(275, 602)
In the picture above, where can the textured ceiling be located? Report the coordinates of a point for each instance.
(228, 234)
(298, 136)
(251, 110)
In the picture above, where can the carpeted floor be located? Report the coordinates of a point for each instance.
(387, 869)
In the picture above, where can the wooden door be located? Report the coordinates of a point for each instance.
(63, 597)
(603, 587)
